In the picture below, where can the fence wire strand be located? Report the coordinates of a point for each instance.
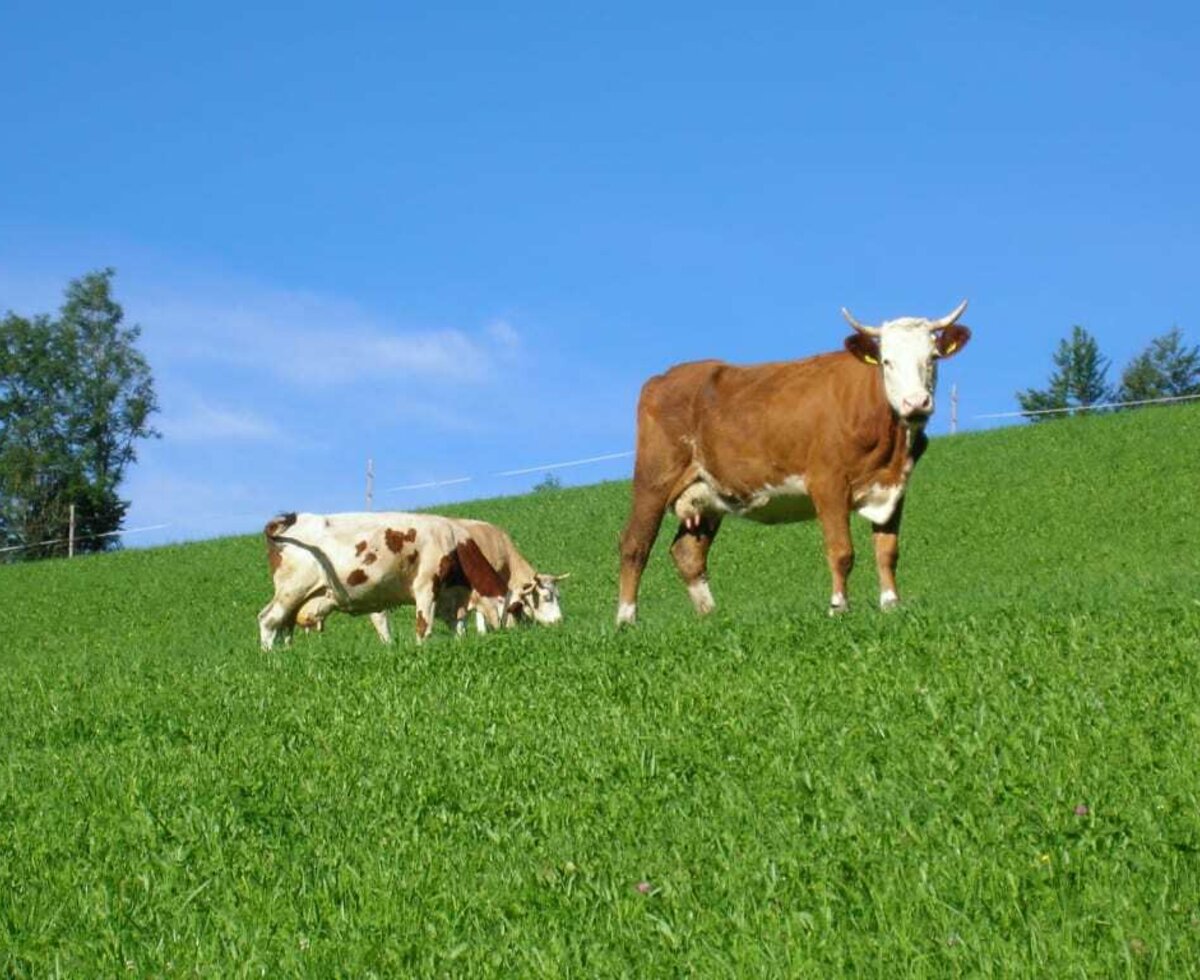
(603, 457)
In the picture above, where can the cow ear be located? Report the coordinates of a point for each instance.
(865, 348)
(952, 340)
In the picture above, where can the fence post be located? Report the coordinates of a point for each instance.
(370, 482)
(954, 408)
(71, 533)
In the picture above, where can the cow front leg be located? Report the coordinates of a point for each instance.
(425, 600)
(887, 555)
(690, 553)
(839, 552)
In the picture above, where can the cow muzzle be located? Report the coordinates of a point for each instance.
(917, 406)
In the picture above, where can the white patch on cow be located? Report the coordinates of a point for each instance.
(784, 503)
(701, 596)
(781, 503)
(837, 604)
(888, 600)
(626, 613)
(877, 503)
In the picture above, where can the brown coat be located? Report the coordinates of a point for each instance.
(781, 442)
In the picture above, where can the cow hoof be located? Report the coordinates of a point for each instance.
(626, 614)
(701, 596)
(889, 601)
(838, 609)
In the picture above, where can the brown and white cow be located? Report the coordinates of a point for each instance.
(370, 562)
(532, 595)
(788, 441)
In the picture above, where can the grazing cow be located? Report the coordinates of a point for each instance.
(532, 595)
(784, 442)
(366, 563)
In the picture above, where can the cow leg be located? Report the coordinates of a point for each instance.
(839, 551)
(278, 619)
(380, 621)
(645, 518)
(887, 555)
(426, 603)
(690, 552)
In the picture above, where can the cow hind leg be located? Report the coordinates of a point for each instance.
(690, 553)
(380, 621)
(637, 539)
(277, 620)
(839, 552)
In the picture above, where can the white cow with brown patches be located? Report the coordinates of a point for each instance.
(370, 562)
(532, 595)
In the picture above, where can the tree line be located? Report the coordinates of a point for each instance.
(76, 395)
(1167, 368)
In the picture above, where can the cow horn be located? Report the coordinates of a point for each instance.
(869, 331)
(949, 319)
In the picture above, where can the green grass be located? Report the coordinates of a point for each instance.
(878, 794)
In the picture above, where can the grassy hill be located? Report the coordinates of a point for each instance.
(1000, 778)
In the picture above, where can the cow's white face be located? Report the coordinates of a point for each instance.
(906, 351)
(540, 599)
(906, 355)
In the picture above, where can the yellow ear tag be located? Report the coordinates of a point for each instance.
(949, 350)
(869, 359)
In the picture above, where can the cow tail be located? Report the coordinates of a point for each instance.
(276, 526)
(271, 532)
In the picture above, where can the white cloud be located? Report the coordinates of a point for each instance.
(311, 340)
(504, 334)
(204, 422)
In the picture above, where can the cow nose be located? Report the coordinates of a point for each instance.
(921, 404)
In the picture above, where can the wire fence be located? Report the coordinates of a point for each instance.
(564, 464)
(1086, 408)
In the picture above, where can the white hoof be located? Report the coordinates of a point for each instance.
(627, 614)
(888, 600)
(701, 596)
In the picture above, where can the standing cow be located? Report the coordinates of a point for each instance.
(782, 442)
(370, 562)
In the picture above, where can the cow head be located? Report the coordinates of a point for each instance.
(540, 599)
(906, 351)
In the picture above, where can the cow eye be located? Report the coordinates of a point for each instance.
(887, 363)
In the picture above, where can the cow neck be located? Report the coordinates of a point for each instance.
(892, 446)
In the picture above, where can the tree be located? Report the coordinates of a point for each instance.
(1165, 369)
(1079, 380)
(75, 396)
(548, 484)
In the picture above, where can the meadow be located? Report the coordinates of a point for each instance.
(998, 779)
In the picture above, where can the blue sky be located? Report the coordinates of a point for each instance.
(457, 238)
